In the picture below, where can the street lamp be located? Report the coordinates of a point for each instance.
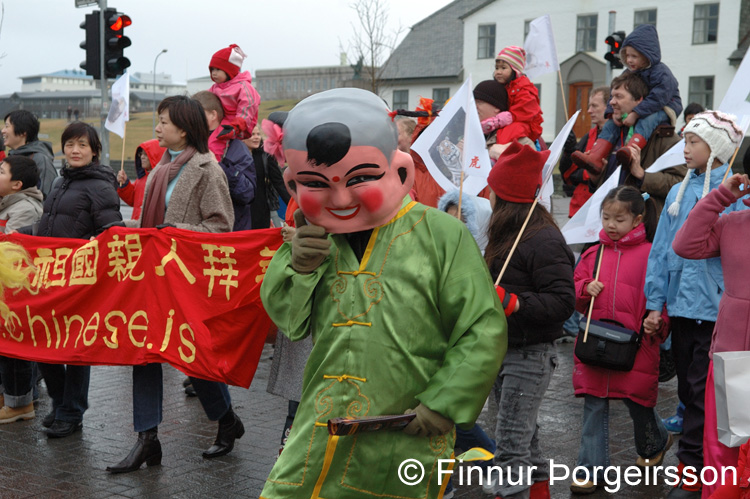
(153, 115)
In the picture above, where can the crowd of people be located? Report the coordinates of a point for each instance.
(392, 282)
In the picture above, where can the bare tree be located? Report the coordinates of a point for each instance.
(374, 41)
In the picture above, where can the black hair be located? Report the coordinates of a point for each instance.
(636, 205)
(187, 115)
(693, 108)
(79, 129)
(23, 168)
(24, 123)
(329, 143)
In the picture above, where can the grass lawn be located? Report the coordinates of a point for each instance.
(138, 130)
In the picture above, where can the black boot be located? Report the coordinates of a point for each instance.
(147, 449)
(230, 429)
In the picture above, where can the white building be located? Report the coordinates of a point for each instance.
(697, 40)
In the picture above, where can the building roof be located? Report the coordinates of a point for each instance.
(63, 73)
(434, 46)
(54, 94)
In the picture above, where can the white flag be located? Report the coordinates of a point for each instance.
(455, 141)
(119, 111)
(554, 156)
(541, 53)
(585, 225)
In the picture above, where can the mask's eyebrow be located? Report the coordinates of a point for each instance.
(313, 173)
(363, 166)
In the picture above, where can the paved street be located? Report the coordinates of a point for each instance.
(32, 465)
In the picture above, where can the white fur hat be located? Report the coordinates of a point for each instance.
(723, 136)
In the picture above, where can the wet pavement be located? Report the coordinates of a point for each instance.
(32, 465)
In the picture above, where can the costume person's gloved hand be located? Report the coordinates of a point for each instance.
(428, 423)
(310, 245)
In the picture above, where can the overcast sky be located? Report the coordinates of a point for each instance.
(43, 36)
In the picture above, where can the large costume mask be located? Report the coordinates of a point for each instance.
(345, 170)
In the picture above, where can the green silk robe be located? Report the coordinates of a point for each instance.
(418, 320)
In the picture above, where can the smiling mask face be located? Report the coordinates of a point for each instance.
(345, 171)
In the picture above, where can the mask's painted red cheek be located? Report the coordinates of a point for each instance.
(310, 205)
(372, 199)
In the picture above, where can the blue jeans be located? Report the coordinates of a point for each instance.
(644, 126)
(148, 391)
(17, 381)
(519, 390)
(648, 429)
(68, 386)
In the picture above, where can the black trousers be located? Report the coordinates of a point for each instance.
(691, 340)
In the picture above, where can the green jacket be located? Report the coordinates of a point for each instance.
(417, 320)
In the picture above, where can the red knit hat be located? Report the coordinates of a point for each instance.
(228, 60)
(517, 175)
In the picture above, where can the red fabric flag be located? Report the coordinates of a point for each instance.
(138, 296)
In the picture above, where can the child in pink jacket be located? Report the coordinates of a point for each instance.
(618, 294)
(705, 234)
(238, 97)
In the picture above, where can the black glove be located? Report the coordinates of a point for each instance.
(164, 226)
(570, 143)
(119, 223)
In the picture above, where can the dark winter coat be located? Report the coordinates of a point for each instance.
(239, 167)
(623, 272)
(79, 205)
(662, 85)
(540, 272)
(41, 153)
(268, 178)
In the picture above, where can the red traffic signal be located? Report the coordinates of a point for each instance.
(614, 41)
(115, 42)
(120, 22)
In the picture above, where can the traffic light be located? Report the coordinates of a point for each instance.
(115, 63)
(91, 44)
(614, 41)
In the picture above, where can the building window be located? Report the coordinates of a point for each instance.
(586, 33)
(644, 17)
(486, 41)
(701, 90)
(289, 85)
(439, 97)
(260, 85)
(705, 23)
(526, 28)
(400, 99)
(296, 84)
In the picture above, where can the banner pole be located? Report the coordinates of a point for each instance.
(731, 162)
(518, 239)
(122, 158)
(460, 193)
(562, 92)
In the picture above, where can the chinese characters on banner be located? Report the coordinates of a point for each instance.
(137, 296)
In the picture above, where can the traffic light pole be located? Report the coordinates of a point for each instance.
(612, 15)
(103, 132)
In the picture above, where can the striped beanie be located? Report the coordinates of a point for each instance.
(515, 56)
(723, 136)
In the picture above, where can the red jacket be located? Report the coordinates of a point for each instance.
(523, 103)
(132, 192)
(740, 490)
(623, 273)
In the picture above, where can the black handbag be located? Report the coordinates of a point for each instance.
(606, 343)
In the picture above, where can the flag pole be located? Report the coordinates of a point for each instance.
(731, 162)
(122, 158)
(518, 239)
(460, 193)
(562, 91)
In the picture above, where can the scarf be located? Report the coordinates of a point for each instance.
(155, 206)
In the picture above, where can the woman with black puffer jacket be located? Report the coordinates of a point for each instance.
(82, 201)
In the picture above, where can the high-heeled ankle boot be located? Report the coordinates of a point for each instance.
(230, 429)
(147, 449)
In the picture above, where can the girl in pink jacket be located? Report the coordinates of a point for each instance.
(619, 296)
(239, 99)
(705, 234)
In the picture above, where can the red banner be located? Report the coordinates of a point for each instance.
(139, 296)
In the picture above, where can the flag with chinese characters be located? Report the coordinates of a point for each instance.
(119, 110)
(139, 296)
(541, 53)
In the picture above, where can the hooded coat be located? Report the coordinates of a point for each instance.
(706, 234)
(475, 213)
(662, 85)
(132, 192)
(623, 272)
(41, 153)
(240, 102)
(20, 209)
(81, 204)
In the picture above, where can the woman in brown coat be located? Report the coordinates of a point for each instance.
(188, 190)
